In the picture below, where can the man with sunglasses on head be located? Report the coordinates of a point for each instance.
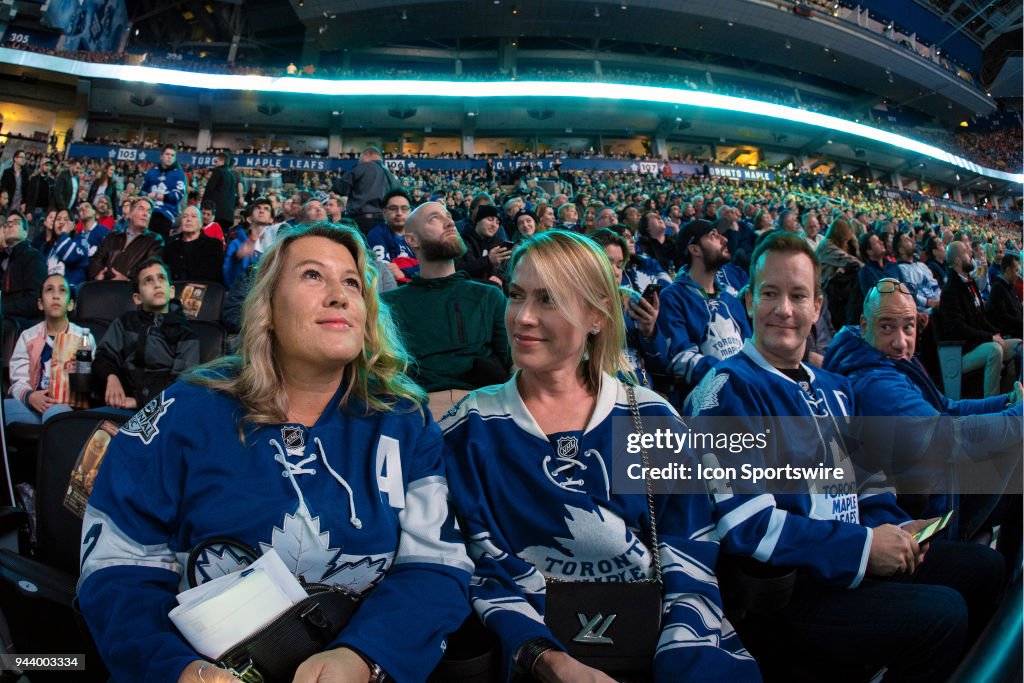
(878, 359)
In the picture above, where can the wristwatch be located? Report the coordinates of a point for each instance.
(377, 674)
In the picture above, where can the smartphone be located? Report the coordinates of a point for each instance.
(508, 244)
(650, 291)
(934, 529)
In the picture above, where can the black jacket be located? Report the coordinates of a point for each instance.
(475, 261)
(200, 259)
(24, 270)
(1004, 310)
(961, 315)
(222, 188)
(64, 190)
(365, 185)
(662, 252)
(146, 351)
(9, 185)
(938, 270)
(41, 192)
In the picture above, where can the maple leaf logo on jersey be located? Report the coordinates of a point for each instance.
(592, 534)
(705, 396)
(216, 560)
(304, 549)
(144, 423)
(357, 574)
(307, 553)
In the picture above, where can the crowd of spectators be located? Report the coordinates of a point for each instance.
(1000, 149)
(697, 236)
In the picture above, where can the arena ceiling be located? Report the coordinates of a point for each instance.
(756, 36)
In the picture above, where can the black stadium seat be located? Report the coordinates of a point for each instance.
(37, 583)
(211, 339)
(207, 304)
(103, 300)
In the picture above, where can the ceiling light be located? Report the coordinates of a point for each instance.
(597, 13)
(404, 15)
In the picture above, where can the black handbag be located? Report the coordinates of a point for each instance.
(274, 652)
(613, 627)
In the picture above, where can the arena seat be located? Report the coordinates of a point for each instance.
(103, 300)
(211, 339)
(37, 582)
(997, 656)
(10, 339)
(208, 306)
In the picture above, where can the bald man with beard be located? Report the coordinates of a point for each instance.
(454, 327)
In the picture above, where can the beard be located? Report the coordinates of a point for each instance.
(443, 249)
(714, 260)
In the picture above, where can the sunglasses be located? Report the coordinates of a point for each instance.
(888, 285)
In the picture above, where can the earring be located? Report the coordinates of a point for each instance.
(594, 330)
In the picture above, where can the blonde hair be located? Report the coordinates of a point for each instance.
(376, 377)
(579, 278)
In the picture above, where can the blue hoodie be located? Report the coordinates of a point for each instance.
(906, 390)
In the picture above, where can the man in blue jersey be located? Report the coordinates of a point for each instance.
(388, 241)
(703, 323)
(165, 184)
(866, 593)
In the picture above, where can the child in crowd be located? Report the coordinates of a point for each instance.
(31, 401)
(145, 350)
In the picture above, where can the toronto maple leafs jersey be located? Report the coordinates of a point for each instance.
(642, 271)
(538, 505)
(359, 501)
(701, 330)
(169, 182)
(826, 531)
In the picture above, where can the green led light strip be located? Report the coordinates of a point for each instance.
(486, 89)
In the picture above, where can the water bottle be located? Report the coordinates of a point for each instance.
(83, 356)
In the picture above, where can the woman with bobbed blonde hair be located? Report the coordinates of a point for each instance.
(313, 443)
(529, 464)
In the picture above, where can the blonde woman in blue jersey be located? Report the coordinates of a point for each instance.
(528, 464)
(311, 442)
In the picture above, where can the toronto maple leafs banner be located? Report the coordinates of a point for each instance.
(403, 165)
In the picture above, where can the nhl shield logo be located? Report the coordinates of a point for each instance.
(293, 437)
(568, 447)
